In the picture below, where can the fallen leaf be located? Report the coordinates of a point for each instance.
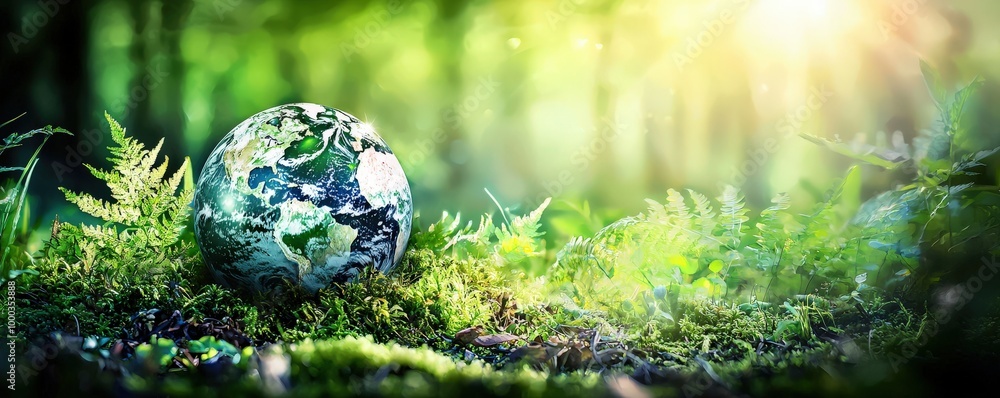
(467, 335)
(494, 339)
(531, 353)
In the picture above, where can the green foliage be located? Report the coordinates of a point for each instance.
(210, 347)
(444, 233)
(515, 244)
(566, 219)
(13, 195)
(159, 352)
(686, 247)
(945, 210)
(93, 277)
(517, 240)
(439, 375)
(143, 225)
(693, 253)
(732, 216)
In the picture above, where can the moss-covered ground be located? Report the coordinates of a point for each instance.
(408, 334)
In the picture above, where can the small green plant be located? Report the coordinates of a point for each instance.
(690, 247)
(91, 278)
(142, 226)
(516, 243)
(945, 210)
(14, 195)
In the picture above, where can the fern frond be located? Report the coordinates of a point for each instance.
(149, 208)
(678, 209)
(149, 157)
(155, 176)
(518, 239)
(436, 236)
(779, 203)
(656, 212)
(102, 209)
(528, 225)
(174, 182)
(582, 253)
(771, 230)
(732, 215)
(480, 237)
(704, 213)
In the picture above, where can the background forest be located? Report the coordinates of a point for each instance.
(611, 101)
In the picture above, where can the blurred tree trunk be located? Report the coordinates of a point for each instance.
(448, 41)
(44, 75)
(515, 138)
(154, 96)
(170, 109)
(358, 67)
(657, 103)
(607, 181)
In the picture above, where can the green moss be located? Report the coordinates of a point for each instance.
(426, 297)
(353, 366)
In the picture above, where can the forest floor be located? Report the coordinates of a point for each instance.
(444, 326)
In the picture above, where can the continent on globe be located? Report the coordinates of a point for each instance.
(304, 193)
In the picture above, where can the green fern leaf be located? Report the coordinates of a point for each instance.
(732, 215)
(148, 209)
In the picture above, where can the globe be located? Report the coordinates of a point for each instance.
(301, 193)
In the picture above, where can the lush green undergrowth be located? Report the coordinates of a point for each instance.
(693, 297)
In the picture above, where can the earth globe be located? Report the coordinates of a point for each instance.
(301, 193)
